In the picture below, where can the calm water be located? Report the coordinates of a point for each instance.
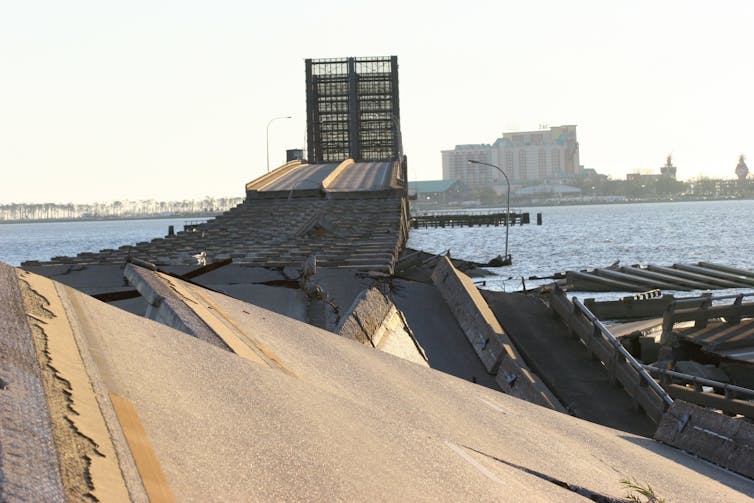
(571, 237)
(581, 237)
(44, 240)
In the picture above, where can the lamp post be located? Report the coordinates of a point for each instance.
(268, 137)
(507, 260)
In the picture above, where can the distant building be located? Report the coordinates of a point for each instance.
(294, 154)
(439, 192)
(742, 170)
(643, 178)
(455, 165)
(668, 171)
(530, 156)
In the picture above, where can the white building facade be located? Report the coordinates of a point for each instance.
(527, 157)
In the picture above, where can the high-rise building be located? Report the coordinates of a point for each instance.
(455, 165)
(528, 156)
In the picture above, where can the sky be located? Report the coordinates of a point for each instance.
(103, 100)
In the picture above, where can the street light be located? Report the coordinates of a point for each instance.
(507, 260)
(268, 138)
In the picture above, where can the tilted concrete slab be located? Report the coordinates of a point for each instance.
(486, 335)
(337, 421)
(438, 332)
(365, 176)
(728, 441)
(306, 177)
(373, 320)
(565, 365)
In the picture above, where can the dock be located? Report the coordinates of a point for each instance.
(466, 219)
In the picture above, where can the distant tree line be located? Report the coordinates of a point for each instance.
(665, 188)
(149, 208)
(642, 188)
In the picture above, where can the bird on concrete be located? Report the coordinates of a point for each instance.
(201, 258)
(310, 267)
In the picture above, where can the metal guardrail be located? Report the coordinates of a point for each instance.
(675, 312)
(727, 387)
(711, 298)
(630, 360)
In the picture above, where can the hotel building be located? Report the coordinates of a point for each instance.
(527, 157)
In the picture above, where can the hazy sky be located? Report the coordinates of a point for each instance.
(170, 100)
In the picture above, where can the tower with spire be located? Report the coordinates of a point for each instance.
(668, 171)
(742, 171)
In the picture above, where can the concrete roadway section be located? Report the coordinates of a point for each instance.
(442, 338)
(305, 177)
(360, 176)
(340, 422)
(364, 176)
(565, 365)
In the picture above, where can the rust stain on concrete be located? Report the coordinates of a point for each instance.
(150, 471)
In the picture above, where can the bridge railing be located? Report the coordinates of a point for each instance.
(620, 364)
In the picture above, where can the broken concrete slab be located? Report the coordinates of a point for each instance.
(467, 305)
(438, 332)
(724, 440)
(337, 408)
(374, 320)
(491, 343)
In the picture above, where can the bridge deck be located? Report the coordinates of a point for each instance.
(364, 176)
(309, 176)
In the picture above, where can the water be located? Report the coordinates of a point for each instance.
(581, 237)
(44, 240)
(571, 237)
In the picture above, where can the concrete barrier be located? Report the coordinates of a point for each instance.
(329, 179)
(165, 306)
(374, 320)
(724, 440)
(268, 178)
(488, 338)
(473, 314)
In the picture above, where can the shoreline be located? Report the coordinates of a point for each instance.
(565, 202)
(192, 216)
(541, 204)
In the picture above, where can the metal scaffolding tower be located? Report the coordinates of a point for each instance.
(352, 109)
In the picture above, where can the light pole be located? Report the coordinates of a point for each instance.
(507, 260)
(268, 138)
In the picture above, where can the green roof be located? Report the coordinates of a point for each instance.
(431, 185)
